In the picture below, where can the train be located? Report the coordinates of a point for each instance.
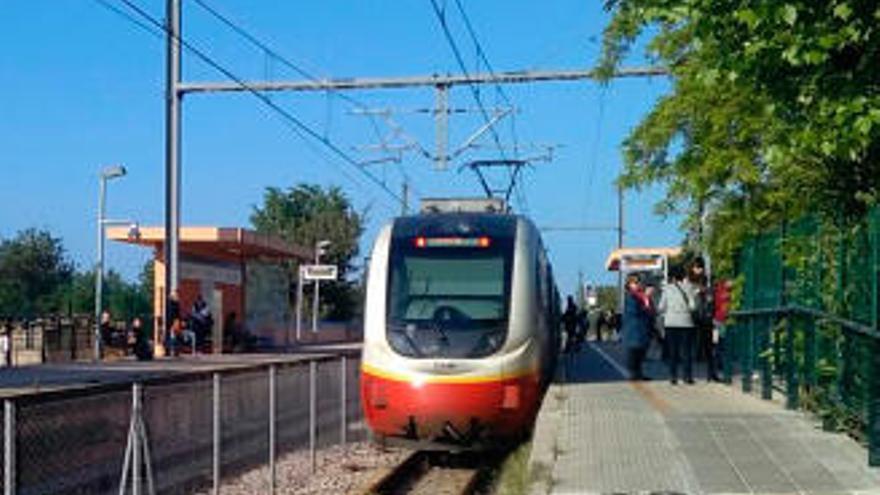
(461, 333)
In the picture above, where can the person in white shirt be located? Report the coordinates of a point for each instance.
(677, 304)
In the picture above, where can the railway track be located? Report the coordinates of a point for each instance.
(436, 473)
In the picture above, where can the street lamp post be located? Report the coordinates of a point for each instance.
(107, 173)
(320, 248)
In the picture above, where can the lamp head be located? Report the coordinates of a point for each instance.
(113, 172)
(134, 231)
(321, 247)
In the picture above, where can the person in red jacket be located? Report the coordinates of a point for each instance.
(721, 296)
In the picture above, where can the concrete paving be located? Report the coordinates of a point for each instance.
(600, 433)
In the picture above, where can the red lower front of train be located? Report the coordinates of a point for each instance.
(466, 412)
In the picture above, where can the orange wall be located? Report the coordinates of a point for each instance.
(232, 300)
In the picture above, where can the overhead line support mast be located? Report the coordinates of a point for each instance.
(176, 89)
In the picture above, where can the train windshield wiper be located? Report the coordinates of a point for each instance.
(402, 330)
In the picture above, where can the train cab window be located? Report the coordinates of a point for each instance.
(448, 302)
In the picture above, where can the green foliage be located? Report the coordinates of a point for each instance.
(306, 214)
(145, 281)
(774, 112)
(123, 300)
(37, 279)
(33, 271)
(607, 297)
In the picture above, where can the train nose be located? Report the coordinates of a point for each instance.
(461, 412)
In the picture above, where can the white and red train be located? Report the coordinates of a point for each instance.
(461, 332)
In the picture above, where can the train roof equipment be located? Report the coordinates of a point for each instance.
(463, 205)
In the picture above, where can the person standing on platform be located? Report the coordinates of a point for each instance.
(638, 317)
(721, 306)
(569, 323)
(703, 299)
(677, 306)
(594, 323)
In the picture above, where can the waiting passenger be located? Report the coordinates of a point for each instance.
(638, 317)
(677, 304)
(142, 348)
(570, 323)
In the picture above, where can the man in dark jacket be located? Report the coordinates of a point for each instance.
(569, 324)
(638, 319)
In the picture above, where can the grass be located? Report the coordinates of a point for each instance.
(513, 477)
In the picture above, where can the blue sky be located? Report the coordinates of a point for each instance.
(81, 87)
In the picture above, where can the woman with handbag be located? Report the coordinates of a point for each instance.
(677, 305)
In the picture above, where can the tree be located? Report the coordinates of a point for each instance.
(123, 300)
(145, 283)
(607, 297)
(774, 112)
(306, 214)
(33, 272)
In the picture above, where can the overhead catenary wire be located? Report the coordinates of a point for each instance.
(236, 27)
(129, 17)
(251, 38)
(441, 18)
(594, 159)
(299, 127)
(481, 54)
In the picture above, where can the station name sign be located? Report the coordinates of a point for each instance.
(320, 272)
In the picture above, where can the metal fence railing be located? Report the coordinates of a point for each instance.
(197, 429)
(807, 323)
(57, 339)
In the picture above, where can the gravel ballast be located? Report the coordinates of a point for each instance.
(340, 470)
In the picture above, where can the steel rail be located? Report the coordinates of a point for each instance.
(408, 475)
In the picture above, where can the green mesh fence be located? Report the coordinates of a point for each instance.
(807, 322)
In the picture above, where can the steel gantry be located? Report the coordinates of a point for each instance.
(176, 89)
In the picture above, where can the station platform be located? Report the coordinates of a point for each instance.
(598, 432)
(39, 378)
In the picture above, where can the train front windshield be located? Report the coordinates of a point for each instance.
(448, 297)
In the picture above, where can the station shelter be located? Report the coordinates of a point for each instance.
(240, 274)
(651, 262)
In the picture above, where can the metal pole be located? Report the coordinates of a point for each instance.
(299, 298)
(313, 412)
(343, 379)
(216, 434)
(316, 299)
(405, 195)
(172, 154)
(441, 117)
(619, 247)
(99, 267)
(272, 405)
(136, 441)
(9, 447)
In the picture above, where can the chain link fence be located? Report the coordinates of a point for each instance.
(807, 322)
(198, 428)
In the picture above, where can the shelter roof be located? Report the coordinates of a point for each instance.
(612, 264)
(227, 243)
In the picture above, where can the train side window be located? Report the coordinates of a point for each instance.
(541, 273)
